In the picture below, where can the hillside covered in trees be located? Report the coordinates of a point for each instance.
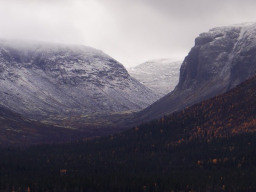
(210, 146)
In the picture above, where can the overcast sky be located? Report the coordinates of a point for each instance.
(131, 31)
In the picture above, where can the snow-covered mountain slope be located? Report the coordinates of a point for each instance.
(161, 75)
(221, 59)
(40, 80)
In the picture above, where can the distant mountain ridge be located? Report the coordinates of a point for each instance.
(41, 80)
(160, 75)
(221, 59)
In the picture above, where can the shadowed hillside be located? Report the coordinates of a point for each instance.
(19, 131)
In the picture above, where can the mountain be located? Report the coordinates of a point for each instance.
(43, 80)
(221, 59)
(161, 75)
(207, 147)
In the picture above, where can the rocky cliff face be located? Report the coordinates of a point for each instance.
(40, 80)
(221, 59)
(161, 75)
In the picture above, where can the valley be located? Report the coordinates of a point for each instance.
(72, 118)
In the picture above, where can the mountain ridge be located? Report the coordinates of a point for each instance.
(221, 59)
(41, 80)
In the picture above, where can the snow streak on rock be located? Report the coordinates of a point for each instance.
(39, 80)
(161, 76)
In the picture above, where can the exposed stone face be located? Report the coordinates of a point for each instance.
(210, 58)
(40, 80)
(221, 59)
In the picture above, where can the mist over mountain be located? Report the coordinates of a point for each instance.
(160, 75)
(42, 80)
(221, 59)
(80, 87)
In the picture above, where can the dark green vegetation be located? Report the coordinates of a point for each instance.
(210, 146)
(137, 166)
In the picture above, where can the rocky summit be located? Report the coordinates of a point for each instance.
(221, 59)
(39, 80)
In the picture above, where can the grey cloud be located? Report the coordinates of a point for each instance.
(131, 31)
